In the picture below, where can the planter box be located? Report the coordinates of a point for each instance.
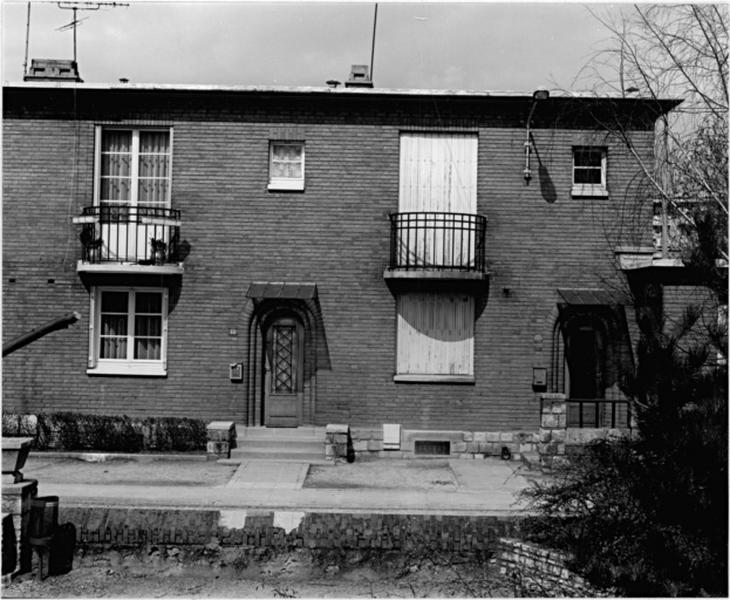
(15, 451)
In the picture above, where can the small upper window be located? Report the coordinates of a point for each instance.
(589, 171)
(286, 166)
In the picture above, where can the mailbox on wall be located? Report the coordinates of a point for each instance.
(235, 372)
(539, 379)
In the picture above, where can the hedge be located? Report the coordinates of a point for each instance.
(76, 431)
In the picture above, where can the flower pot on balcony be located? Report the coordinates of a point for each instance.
(15, 452)
(159, 251)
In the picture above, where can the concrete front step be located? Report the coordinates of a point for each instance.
(242, 454)
(300, 444)
(280, 433)
(289, 445)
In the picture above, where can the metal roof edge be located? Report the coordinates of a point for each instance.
(344, 91)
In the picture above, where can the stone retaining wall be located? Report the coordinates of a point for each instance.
(538, 571)
(118, 528)
(368, 442)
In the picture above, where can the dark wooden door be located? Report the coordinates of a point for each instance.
(284, 370)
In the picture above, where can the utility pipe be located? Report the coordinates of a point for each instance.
(39, 332)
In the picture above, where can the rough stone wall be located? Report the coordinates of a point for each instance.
(542, 572)
(111, 528)
(16, 504)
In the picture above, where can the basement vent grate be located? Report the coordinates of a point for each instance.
(432, 448)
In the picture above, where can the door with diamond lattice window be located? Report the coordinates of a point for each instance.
(283, 363)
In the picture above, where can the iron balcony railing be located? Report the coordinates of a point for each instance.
(599, 413)
(437, 240)
(135, 234)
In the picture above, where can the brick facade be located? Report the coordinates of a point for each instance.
(335, 234)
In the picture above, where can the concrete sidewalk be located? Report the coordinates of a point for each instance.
(482, 487)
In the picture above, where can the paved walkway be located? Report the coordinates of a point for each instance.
(483, 487)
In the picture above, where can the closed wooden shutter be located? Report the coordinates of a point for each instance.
(435, 334)
(438, 172)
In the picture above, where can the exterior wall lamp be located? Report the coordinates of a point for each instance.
(537, 95)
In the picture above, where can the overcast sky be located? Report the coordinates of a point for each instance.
(480, 46)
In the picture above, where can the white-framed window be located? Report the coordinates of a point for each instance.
(133, 167)
(132, 186)
(128, 331)
(286, 165)
(589, 171)
(435, 337)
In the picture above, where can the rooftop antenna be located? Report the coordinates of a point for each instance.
(372, 47)
(27, 38)
(76, 6)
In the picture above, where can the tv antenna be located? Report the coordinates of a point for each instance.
(77, 6)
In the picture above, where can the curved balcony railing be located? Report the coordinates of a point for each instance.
(438, 241)
(133, 234)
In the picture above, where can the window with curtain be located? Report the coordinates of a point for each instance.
(135, 168)
(286, 165)
(128, 331)
(133, 184)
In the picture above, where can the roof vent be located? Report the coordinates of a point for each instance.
(359, 77)
(48, 69)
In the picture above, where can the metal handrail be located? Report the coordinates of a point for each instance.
(597, 402)
(136, 234)
(437, 240)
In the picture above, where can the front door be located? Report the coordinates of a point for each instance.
(585, 357)
(284, 373)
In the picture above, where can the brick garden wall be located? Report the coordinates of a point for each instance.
(336, 234)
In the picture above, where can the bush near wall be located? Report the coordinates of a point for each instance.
(76, 431)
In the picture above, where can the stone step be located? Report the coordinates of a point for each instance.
(300, 444)
(240, 454)
(287, 445)
(280, 433)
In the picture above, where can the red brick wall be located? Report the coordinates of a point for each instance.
(336, 234)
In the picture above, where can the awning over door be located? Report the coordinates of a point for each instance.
(268, 294)
(270, 290)
(588, 297)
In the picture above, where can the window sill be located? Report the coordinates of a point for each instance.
(424, 378)
(295, 185)
(131, 368)
(589, 191)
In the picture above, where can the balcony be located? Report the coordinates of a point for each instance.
(130, 239)
(437, 245)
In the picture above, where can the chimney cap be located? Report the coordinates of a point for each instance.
(53, 69)
(359, 77)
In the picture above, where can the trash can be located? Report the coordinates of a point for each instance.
(43, 519)
(9, 545)
(41, 531)
(63, 546)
